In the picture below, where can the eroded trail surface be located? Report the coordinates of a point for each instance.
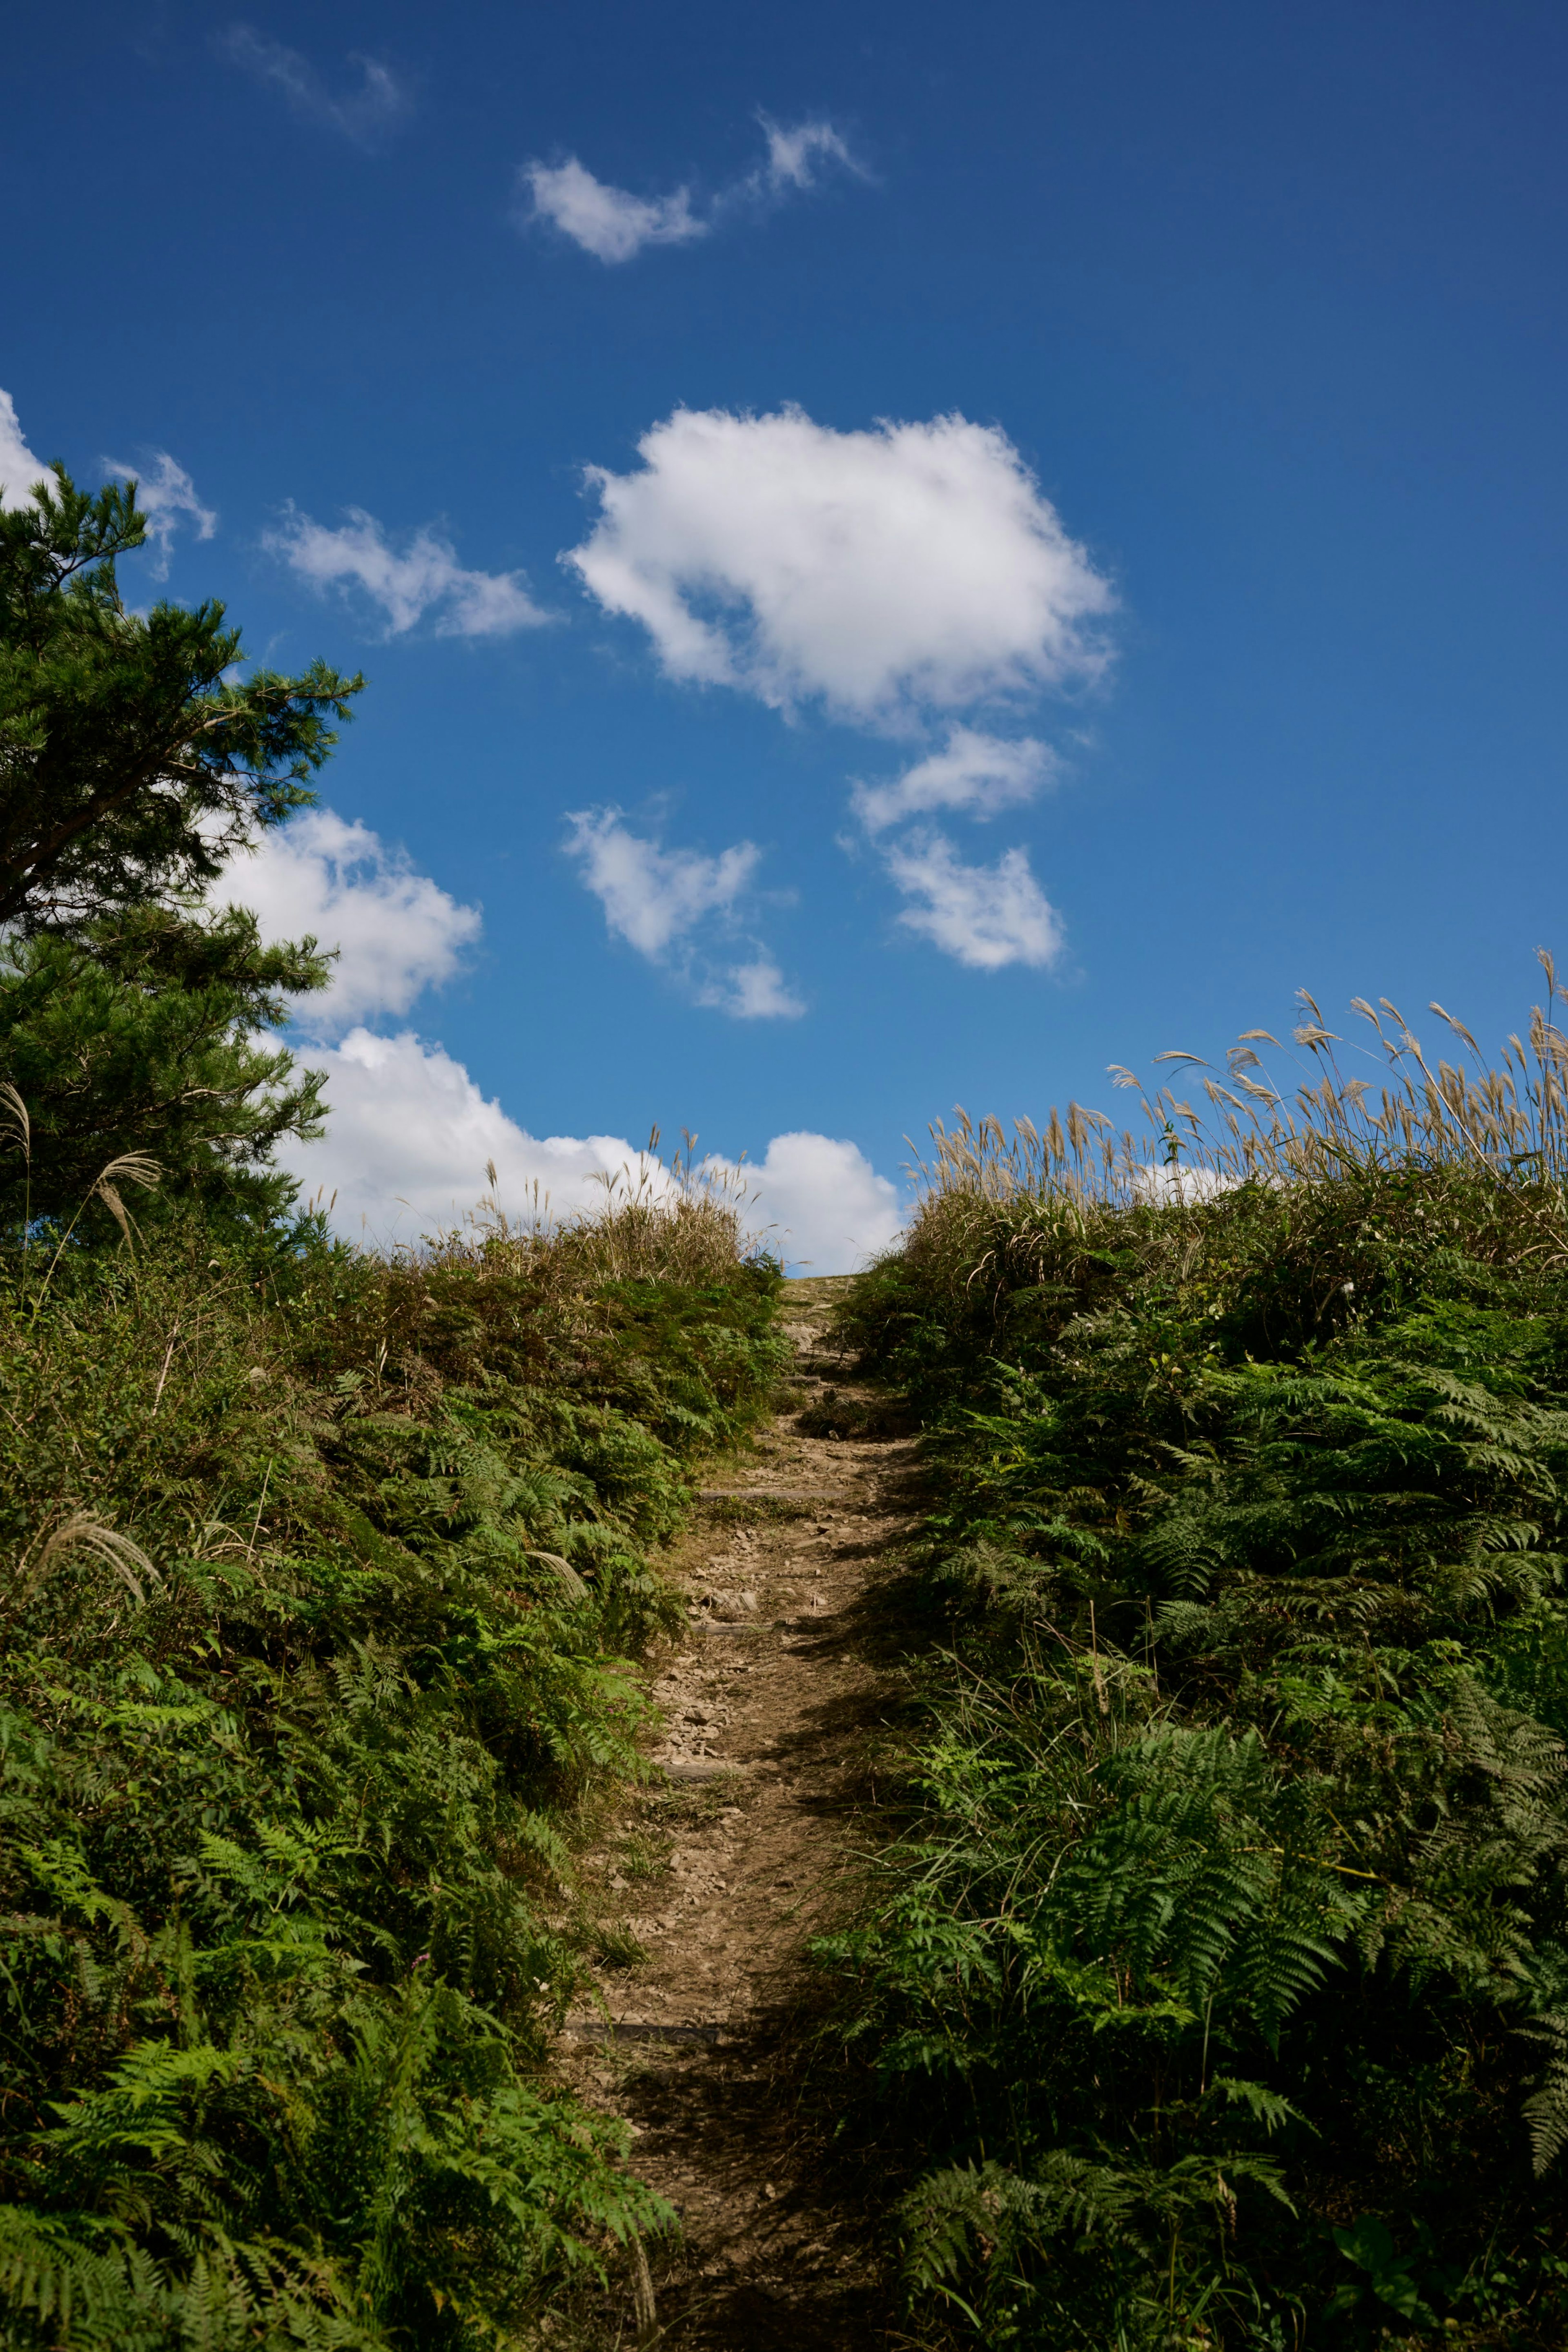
(771, 1703)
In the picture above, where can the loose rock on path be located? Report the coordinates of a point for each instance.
(712, 1887)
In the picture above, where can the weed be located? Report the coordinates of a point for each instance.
(641, 1857)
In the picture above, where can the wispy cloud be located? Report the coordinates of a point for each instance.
(613, 225)
(984, 915)
(796, 158)
(167, 496)
(426, 577)
(658, 899)
(365, 115)
(650, 896)
(609, 223)
(756, 991)
(974, 774)
(20, 469)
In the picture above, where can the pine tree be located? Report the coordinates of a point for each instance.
(133, 765)
(147, 1035)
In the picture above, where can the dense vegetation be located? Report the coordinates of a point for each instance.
(318, 1572)
(317, 1576)
(1217, 1991)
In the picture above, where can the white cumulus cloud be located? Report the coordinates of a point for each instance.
(167, 496)
(20, 469)
(410, 1134)
(166, 492)
(365, 115)
(615, 225)
(425, 578)
(985, 915)
(752, 991)
(1163, 1185)
(396, 931)
(974, 773)
(884, 573)
(818, 1202)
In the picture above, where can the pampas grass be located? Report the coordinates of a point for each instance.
(677, 1221)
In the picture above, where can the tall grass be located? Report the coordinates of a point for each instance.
(322, 1571)
(1216, 1992)
(681, 1222)
(1262, 1126)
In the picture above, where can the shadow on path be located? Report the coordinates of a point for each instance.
(712, 1885)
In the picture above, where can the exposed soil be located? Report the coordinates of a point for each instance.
(712, 1885)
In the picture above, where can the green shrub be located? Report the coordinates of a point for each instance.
(323, 1573)
(1217, 1990)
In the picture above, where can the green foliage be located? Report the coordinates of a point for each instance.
(131, 764)
(322, 1576)
(143, 1037)
(1217, 1991)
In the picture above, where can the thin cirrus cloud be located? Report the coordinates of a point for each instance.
(796, 157)
(984, 917)
(167, 496)
(666, 902)
(365, 115)
(884, 574)
(425, 578)
(974, 774)
(615, 225)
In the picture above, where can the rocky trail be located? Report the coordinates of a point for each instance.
(709, 1886)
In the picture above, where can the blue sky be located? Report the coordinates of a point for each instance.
(1139, 429)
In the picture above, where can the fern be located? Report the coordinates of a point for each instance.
(284, 1844)
(1546, 2109)
(1240, 1845)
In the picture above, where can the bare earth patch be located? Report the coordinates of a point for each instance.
(712, 1885)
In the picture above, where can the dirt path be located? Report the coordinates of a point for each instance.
(720, 1875)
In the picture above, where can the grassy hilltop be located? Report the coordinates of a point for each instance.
(320, 1570)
